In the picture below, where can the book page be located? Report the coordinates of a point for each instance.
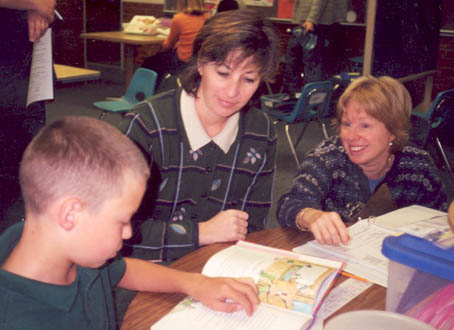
(190, 315)
(289, 283)
(40, 86)
(362, 254)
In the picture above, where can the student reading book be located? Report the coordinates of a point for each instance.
(291, 288)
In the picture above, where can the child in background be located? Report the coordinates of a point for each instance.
(82, 180)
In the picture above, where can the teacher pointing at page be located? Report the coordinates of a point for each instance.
(339, 176)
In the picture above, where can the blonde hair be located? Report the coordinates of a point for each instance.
(192, 7)
(385, 99)
(81, 157)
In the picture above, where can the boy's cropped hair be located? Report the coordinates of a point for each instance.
(77, 156)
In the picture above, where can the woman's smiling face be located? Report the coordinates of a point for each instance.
(365, 139)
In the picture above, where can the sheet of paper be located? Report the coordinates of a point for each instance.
(373, 275)
(337, 298)
(40, 86)
(399, 219)
(362, 255)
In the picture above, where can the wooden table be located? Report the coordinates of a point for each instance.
(69, 74)
(147, 308)
(131, 42)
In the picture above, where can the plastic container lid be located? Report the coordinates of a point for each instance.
(420, 254)
(375, 320)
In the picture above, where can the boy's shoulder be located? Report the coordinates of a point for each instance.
(30, 304)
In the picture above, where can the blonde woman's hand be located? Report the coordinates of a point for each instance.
(327, 227)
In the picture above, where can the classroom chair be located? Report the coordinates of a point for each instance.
(312, 104)
(142, 86)
(439, 117)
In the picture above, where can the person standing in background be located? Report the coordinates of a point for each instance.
(22, 22)
(320, 18)
(177, 48)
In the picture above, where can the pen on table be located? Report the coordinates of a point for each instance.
(354, 276)
(58, 15)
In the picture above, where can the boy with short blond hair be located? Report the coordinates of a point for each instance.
(82, 180)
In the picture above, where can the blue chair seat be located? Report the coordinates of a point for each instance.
(141, 87)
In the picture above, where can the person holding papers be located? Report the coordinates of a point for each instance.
(340, 175)
(214, 153)
(22, 23)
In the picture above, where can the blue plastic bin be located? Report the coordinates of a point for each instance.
(417, 269)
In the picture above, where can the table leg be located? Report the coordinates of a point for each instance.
(129, 63)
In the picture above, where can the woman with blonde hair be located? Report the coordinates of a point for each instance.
(340, 175)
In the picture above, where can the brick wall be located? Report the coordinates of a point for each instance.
(445, 65)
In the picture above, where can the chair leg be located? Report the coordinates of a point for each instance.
(443, 154)
(290, 142)
(101, 117)
(325, 132)
(301, 134)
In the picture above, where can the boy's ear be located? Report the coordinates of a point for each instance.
(68, 213)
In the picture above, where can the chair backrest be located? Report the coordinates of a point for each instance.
(142, 85)
(437, 101)
(313, 103)
(442, 116)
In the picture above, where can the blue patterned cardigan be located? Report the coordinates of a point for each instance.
(189, 186)
(329, 181)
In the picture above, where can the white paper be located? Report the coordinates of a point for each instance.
(337, 298)
(40, 86)
(405, 216)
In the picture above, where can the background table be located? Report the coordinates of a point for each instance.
(147, 308)
(131, 42)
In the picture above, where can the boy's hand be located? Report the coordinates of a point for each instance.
(226, 226)
(226, 294)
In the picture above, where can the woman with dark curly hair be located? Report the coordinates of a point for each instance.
(213, 153)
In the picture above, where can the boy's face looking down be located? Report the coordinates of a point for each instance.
(98, 235)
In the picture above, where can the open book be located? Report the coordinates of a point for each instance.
(363, 254)
(291, 288)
